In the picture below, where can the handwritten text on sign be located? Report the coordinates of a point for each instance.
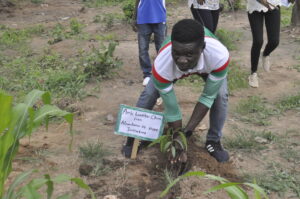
(139, 123)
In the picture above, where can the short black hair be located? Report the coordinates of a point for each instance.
(188, 31)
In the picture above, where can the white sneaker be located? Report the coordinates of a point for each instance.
(146, 81)
(253, 80)
(266, 63)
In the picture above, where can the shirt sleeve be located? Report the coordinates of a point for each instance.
(165, 88)
(213, 84)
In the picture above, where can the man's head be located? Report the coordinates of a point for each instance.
(187, 43)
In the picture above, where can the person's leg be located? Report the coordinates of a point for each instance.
(256, 24)
(217, 119)
(146, 100)
(218, 113)
(215, 19)
(144, 34)
(272, 20)
(159, 30)
(204, 17)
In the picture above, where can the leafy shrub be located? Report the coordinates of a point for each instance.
(76, 26)
(100, 62)
(128, 10)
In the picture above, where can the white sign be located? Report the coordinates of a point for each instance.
(139, 123)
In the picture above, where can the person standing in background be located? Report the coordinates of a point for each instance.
(206, 12)
(150, 17)
(259, 12)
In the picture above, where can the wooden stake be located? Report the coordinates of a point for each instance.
(135, 147)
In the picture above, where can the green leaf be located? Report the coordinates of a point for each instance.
(258, 190)
(183, 138)
(48, 110)
(5, 111)
(167, 145)
(46, 98)
(173, 150)
(61, 178)
(49, 184)
(81, 184)
(30, 192)
(221, 186)
(18, 180)
(180, 143)
(32, 97)
(188, 174)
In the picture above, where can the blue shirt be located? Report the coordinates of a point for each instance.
(151, 11)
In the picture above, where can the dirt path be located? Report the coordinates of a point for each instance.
(144, 177)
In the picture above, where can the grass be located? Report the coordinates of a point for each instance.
(289, 102)
(255, 111)
(66, 78)
(13, 38)
(245, 139)
(279, 180)
(237, 77)
(94, 153)
(288, 146)
(229, 38)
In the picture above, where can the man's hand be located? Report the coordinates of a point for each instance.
(201, 2)
(264, 3)
(134, 25)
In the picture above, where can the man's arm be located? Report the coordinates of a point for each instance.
(199, 113)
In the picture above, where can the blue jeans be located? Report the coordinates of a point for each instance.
(218, 111)
(144, 35)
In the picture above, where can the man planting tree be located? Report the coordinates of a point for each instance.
(190, 51)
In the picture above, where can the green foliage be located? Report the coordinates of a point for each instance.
(228, 38)
(93, 151)
(14, 37)
(245, 139)
(50, 71)
(30, 190)
(101, 62)
(192, 80)
(76, 26)
(108, 20)
(97, 19)
(128, 10)
(58, 34)
(286, 14)
(37, 1)
(233, 190)
(93, 154)
(278, 180)
(171, 141)
(254, 110)
(237, 77)
(20, 121)
(289, 102)
(100, 3)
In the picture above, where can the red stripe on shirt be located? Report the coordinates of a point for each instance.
(222, 67)
(165, 46)
(158, 77)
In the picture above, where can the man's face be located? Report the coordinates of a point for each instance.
(186, 56)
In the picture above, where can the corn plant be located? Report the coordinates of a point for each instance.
(30, 190)
(233, 189)
(20, 120)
